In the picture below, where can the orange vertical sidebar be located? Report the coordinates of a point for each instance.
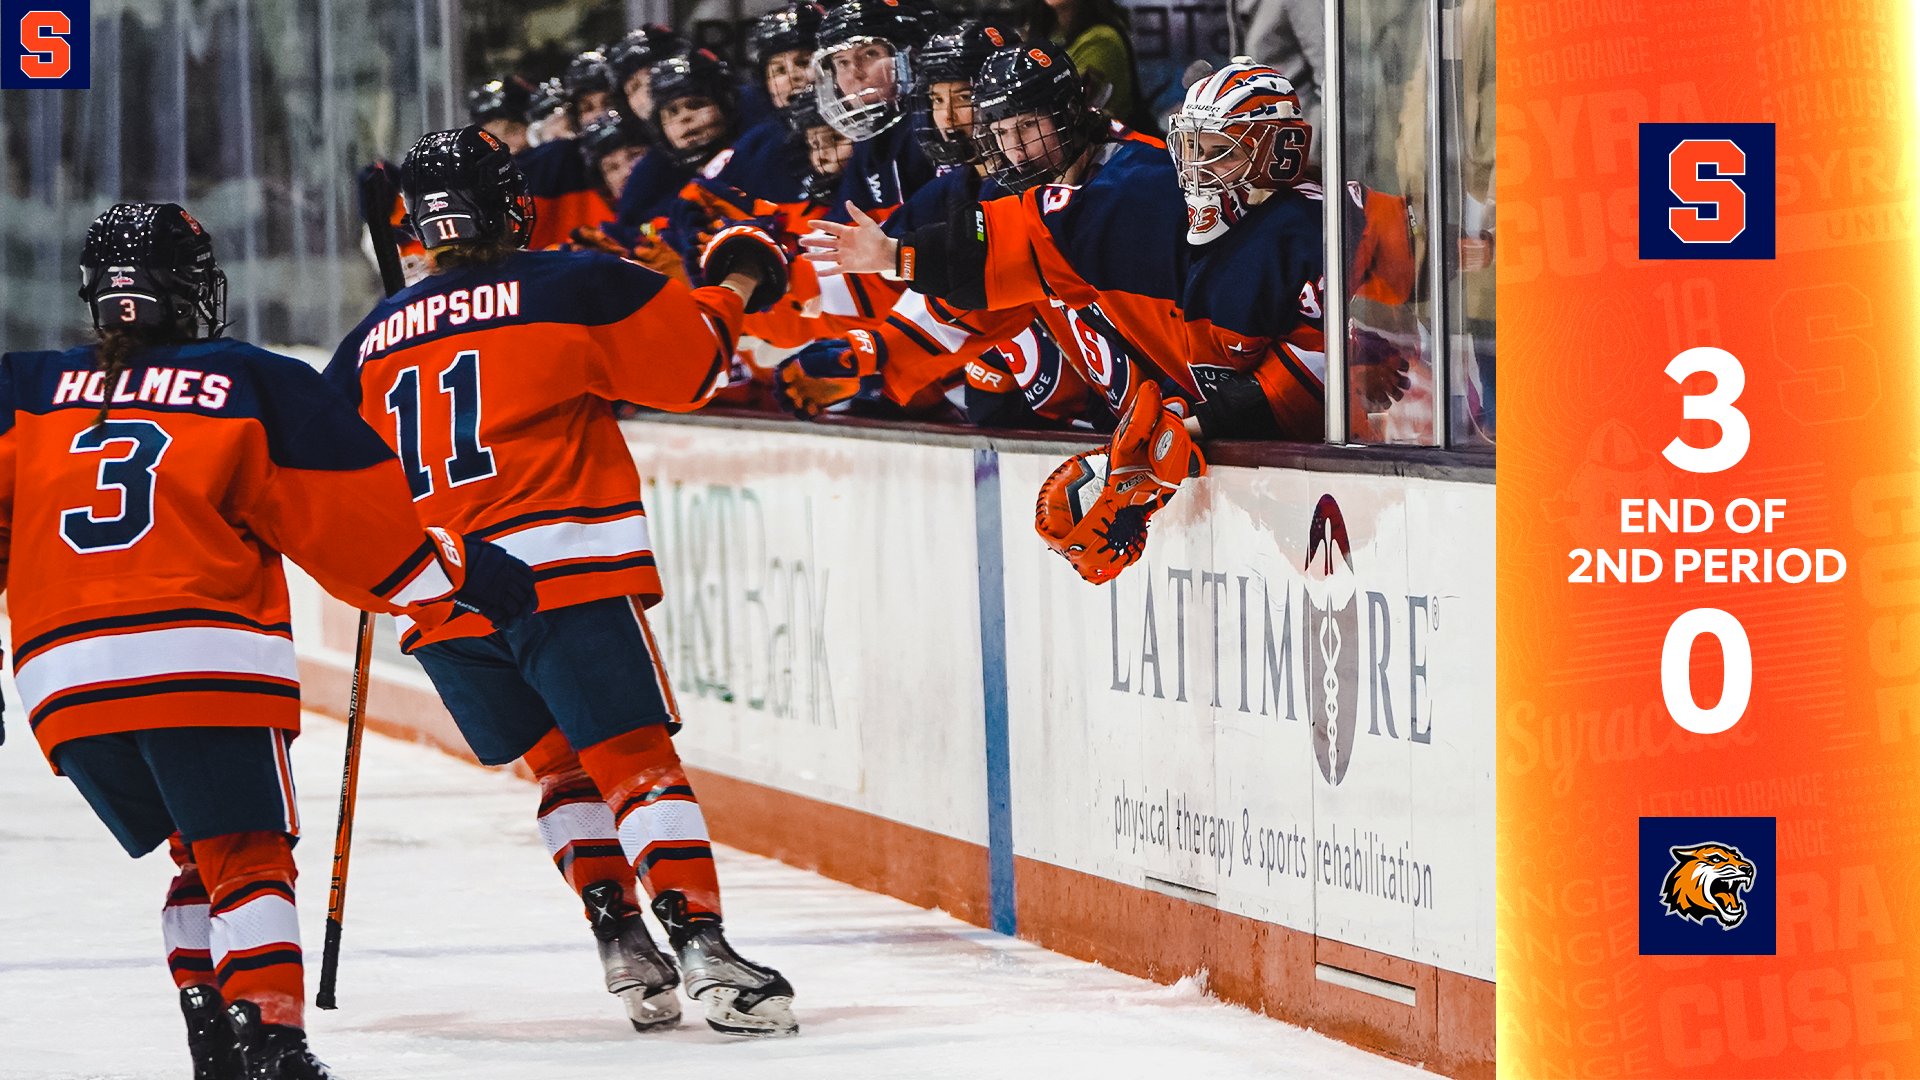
(1829, 745)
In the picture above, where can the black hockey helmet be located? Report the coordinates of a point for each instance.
(510, 98)
(865, 111)
(954, 57)
(150, 267)
(795, 27)
(462, 186)
(802, 115)
(643, 48)
(1039, 79)
(548, 98)
(586, 74)
(933, 18)
(614, 130)
(697, 74)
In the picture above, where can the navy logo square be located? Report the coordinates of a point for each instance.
(1707, 886)
(45, 44)
(1706, 191)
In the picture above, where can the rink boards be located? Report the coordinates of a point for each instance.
(1265, 751)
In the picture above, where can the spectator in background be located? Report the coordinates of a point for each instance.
(1291, 36)
(1098, 38)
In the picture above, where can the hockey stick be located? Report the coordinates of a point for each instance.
(376, 206)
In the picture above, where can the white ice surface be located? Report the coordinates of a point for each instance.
(466, 957)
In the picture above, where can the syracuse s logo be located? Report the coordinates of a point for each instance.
(1708, 881)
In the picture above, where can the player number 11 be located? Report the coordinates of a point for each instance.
(1676, 654)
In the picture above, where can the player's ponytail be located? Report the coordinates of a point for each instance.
(114, 356)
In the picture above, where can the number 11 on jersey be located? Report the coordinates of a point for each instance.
(470, 460)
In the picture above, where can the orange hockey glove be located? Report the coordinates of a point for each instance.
(747, 249)
(1095, 508)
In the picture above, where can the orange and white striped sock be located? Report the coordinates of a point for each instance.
(184, 926)
(255, 936)
(661, 827)
(576, 823)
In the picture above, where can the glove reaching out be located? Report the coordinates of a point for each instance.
(820, 374)
(750, 250)
(1095, 508)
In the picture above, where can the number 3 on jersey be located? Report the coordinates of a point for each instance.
(142, 443)
(470, 461)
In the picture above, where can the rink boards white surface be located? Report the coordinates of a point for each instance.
(466, 957)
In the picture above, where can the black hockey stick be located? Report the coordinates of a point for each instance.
(376, 209)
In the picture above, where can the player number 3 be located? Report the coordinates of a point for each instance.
(1676, 653)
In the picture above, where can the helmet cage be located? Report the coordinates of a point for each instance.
(945, 149)
(1047, 152)
(864, 113)
(1262, 154)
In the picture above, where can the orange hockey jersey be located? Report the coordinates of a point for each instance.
(496, 386)
(142, 555)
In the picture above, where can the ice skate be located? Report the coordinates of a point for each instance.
(209, 1036)
(741, 997)
(273, 1051)
(637, 971)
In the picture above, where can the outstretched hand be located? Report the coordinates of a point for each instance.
(860, 248)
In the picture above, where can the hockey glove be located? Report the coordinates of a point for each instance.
(1095, 508)
(1377, 369)
(499, 587)
(595, 238)
(821, 374)
(747, 249)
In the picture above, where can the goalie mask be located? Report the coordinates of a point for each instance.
(863, 69)
(1239, 131)
(150, 267)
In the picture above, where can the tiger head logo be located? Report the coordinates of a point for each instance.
(1707, 882)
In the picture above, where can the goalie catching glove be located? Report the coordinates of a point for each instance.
(1094, 509)
(750, 250)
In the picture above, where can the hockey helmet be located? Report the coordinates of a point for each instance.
(462, 186)
(643, 48)
(1239, 130)
(613, 131)
(150, 267)
(698, 74)
(863, 67)
(794, 28)
(954, 57)
(1031, 116)
(510, 98)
